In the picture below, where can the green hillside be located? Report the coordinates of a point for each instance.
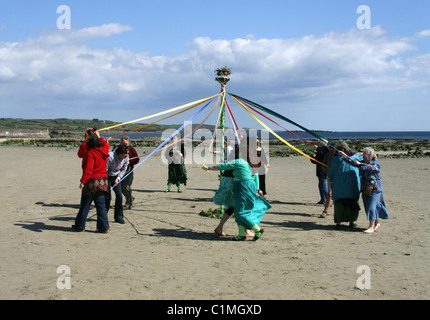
(74, 125)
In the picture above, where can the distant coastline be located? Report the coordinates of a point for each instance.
(74, 128)
(70, 133)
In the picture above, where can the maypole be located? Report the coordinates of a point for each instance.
(222, 77)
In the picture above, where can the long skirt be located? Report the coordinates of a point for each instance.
(375, 206)
(249, 207)
(346, 210)
(177, 173)
(225, 196)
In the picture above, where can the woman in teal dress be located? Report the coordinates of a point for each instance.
(249, 207)
(345, 182)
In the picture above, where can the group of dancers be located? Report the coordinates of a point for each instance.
(342, 176)
(105, 170)
(239, 191)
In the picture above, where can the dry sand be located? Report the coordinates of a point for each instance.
(166, 250)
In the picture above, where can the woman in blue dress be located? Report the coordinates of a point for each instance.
(371, 188)
(249, 207)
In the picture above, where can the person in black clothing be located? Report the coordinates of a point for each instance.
(321, 171)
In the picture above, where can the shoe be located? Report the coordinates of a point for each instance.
(258, 234)
(239, 238)
(77, 229)
(179, 191)
(352, 225)
(105, 230)
(323, 215)
(321, 202)
(126, 207)
(167, 190)
(120, 221)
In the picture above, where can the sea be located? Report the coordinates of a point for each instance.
(330, 135)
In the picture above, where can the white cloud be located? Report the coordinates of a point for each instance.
(424, 33)
(419, 64)
(61, 68)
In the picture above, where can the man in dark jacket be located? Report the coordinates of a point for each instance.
(321, 171)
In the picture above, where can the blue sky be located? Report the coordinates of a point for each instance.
(308, 60)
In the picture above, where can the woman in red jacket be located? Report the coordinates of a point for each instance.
(94, 184)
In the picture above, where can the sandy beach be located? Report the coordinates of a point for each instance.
(166, 250)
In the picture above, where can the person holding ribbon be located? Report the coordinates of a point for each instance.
(225, 196)
(94, 184)
(345, 187)
(371, 187)
(321, 170)
(117, 164)
(249, 207)
(127, 181)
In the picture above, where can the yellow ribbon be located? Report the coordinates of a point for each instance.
(160, 113)
(148, 124)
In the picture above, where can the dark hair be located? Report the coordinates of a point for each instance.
(93, 142)
(122, 149)
(343, 146)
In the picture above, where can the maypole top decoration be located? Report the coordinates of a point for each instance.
(222, 75)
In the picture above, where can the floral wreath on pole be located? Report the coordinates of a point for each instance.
(222, 75)
(224, 71)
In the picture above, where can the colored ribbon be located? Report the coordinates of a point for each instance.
(148, 124)
(233, 122)
(161, 113)
(164, 142)
(276, 135)
(258, 106)
(280, 125)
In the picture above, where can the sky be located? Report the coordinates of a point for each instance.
(327, 65)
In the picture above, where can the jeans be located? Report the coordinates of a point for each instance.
(118, 213)
(322, 186)
(99, 201)
(126, 189)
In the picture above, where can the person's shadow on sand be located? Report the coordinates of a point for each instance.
(187, 234)
(38, 226)
(41, 226)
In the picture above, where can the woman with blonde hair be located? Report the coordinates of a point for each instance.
(371, 188)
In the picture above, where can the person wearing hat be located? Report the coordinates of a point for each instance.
(83, 148)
